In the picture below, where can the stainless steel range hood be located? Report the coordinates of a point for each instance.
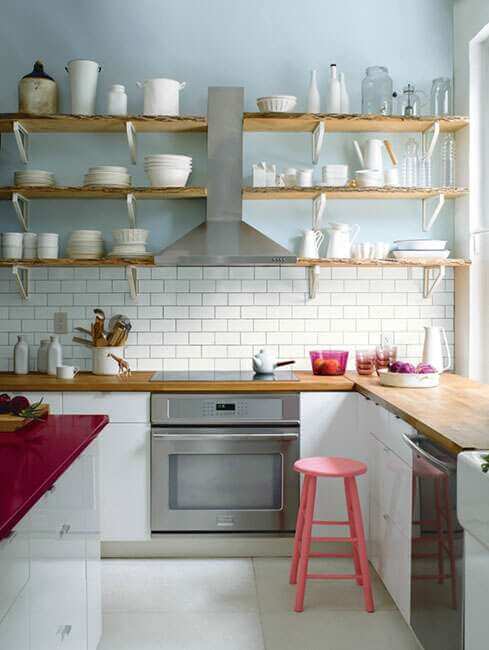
(224, 239)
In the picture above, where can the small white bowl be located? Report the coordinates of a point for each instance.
(277, 103)
(168, 177)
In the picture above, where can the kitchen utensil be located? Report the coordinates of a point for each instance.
(371, 156)
(38, 92)
(120, 318)
(422, 254)
(369, 178)
(83, 85)
(441, 96)
(365, 361)
(340, 238)
(409, 102)
(410, 164)
(265, 362)
(66, 372)
(84, 342)
(161, 96)
(276, 103)
(311, 243)
(408, 380)
(333, 91)
(83, 330)
(377, 91)
(102, 361)
(328, 362)
(304, 177)
(313, 97)
(420, 244)
(117, 100)
(432, 348)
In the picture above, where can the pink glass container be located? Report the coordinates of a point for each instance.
(365, 362)
(328, 362)
(385, 355)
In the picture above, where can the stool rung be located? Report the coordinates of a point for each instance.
(331, 555)
(320, 522)
(333, 576)
(334, 539)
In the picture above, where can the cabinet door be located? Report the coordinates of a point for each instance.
(14, 565)
(395, 568)
(120, 407)
(124, 482)
(94, 592)
(396, 490)
(14, 627)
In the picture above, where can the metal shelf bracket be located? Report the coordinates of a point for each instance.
(132, 141)
(131, 209)
(21, 207)
(314, 273)
(132, 279)
(428, 223)
(318, 207)
(21, 274)
(317, 142)
(427, 288)
(22, 139)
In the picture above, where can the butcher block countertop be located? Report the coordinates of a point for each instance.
(140, 382)
(455, 413)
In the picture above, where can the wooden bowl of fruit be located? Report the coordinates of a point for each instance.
(328, 362)
(17, 412)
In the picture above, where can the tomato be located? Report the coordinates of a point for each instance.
(330, 367)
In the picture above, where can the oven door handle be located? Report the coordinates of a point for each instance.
(426, 455)
(226, 436)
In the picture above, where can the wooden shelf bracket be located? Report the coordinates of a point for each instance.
(313, 275)
(317, 141)
(133, 281)
(21, 207)
(21, 274)
(131, 209)
(22, 140)
(132, 141)
(318, 208)
(428, 222)
(428, 288)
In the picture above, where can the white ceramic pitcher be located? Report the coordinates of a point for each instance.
(83, 85)
(311, 244)
(161, 96)
(433, 349)
(371, 155)
(341, 237)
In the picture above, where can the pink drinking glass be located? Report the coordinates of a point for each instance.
(365, 361)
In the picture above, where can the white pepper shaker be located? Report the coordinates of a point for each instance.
(21, 356)
(55, 355)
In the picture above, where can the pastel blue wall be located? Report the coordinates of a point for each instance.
(266, 47)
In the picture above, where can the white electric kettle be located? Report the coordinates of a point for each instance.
(341, 237)
(432, 348)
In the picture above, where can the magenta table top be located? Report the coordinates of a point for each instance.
(32, 459)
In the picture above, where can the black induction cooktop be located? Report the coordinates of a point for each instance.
(221, 375)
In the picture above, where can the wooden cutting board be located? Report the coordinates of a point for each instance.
(9, 422)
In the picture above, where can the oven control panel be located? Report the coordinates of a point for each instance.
(225, 409)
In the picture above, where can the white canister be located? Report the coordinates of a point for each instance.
(304, 177)
(55, 355)
(29, 246)
(42, 356)
(83, 85)
(117, 100)
(161, 96)
(103, 363)
(47, 245)
(12, 245)
(21, 356)
(391, 177)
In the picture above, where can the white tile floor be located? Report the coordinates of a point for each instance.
(240, 604)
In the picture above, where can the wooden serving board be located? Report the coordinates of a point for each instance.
(9, 422)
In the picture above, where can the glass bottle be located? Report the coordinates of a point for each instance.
(441, 96)
(410, 164)
(377, 91)
(448, 160)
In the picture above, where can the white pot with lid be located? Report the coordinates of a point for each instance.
(161, 96)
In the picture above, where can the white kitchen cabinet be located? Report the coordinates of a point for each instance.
(14, 565)
(124, 482)
(14, 627)
(330, 427)
(120, 407)
(55, 400)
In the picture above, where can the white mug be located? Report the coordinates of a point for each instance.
(311, 244)
(66, 372)
(304, 177)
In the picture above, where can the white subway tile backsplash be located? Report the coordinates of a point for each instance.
(175, 338)
(202, 338)
(240, 325)
(201, 312)
(215, 272)
(189, 273)
(241, 273)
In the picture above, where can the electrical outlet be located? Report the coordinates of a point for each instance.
(61, 322)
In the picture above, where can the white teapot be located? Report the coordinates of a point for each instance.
(264, 363)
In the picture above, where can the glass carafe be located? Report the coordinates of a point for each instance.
(441, 96)
(448, 160)
(410, 164)
(377, 91)
(409, 102)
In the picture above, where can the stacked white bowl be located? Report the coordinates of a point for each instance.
(34, 178)
(129, 242)
(86, 245)
(47, 245)
(335, 175)
(107, 176)
(168, 170)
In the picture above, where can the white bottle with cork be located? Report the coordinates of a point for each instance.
(55, 355)
(333, 94)
(21, 356)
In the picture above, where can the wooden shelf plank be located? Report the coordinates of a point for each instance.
(294, 193)
(104, 192)
(106, 261)
(307, 122)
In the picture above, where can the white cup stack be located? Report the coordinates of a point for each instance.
(86, 245)
(47, 245)
(12, 245)
(335, 175)
(107, 176)
(168, 170)
(30, 246)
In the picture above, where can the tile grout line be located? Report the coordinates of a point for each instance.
(258, 604)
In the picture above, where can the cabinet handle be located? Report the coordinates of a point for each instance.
(63, 631)
(65, 529)
(10, 537)
(386, 517)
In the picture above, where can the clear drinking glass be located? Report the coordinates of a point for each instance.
(410, 164)
(377, 91)
(441, 96)
(448, 160)
(365, 361)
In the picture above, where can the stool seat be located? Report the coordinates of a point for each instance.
(330, 466)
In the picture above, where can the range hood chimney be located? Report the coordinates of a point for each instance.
(224, 239)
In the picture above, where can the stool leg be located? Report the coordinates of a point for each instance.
(305, 545)
(356, 559)
(362, 549)
(298, 532)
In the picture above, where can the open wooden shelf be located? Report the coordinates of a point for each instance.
(279, 122)
(66, 261)
(292, 193)
(104, 192)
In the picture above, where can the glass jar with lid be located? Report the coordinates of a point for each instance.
(377, 91)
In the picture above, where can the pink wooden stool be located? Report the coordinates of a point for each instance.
(329, 467)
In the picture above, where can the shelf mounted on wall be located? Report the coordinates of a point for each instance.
(132, 141)
(430, 287)
(21, 274)
(133, 281)
(317, 141)
(21, 207)
(428, 222)
(22, 140)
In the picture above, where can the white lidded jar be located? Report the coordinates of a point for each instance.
(55, 355)
(117, 100)
(42, 356)
(21, 356)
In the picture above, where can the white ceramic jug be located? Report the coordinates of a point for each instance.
(83, 85)
(371, 155)
(432, 348)
(341, 237)
(311, 244)
(161, 96)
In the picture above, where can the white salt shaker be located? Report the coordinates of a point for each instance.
(21, 356)
(55, 355)
(117, 100)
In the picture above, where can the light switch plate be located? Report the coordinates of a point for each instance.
(60, 322)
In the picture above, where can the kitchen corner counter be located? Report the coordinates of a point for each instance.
(140, 382)
(455, 413)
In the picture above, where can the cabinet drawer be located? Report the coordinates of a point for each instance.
(14, 567)
(395, 427)
(14, 628)
(120, 407)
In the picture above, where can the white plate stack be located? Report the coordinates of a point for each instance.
(129, 242)
(420, 249)
(86, 245)
(34, 178)
(107, 176)
(168, 170)
(335, 175)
